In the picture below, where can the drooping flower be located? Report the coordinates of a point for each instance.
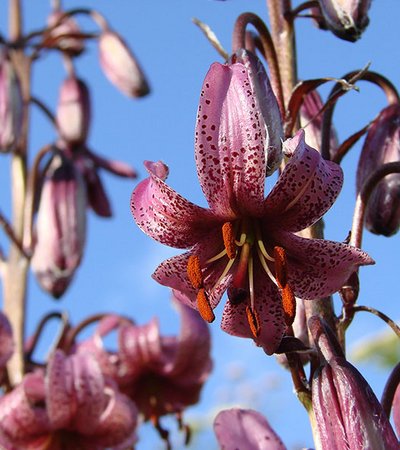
(73, 110)
(347, 412)
(382, 145)
(245, 243)
(161, 374)
(245, 429)
(60, 226)
(347, 19)
(70, 407)
(120, 65)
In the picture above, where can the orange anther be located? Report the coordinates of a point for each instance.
(280, 266)
(228, 235)
(289, 305)
(194, 271)
(254, 321)
(204, 307)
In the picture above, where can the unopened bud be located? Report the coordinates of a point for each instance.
(120, 65)
(382, 145)
(347, 19)
(267, 105)
(60, 227)
(73, 111)
(64, 36)
(11, 104)
(347, 412)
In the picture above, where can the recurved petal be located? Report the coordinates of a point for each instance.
(229, 144)
(318, 267)
(245, 429)
(268, 305)
(306, 189)
(165, 215)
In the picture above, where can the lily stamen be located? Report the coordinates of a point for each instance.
(265, 266)
(254, 321)
(228, 236)
(204, 306)
(194, 271)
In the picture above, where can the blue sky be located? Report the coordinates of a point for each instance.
(119, 258)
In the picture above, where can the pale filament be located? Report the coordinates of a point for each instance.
(216, 257)
(261, 244)
(240, 243)
(251, 281)
(265, 266)
(226, 270)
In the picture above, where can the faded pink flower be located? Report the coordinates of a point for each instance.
(64, 34)
(70, 407)
(60, 226)
(161, 374)
(120, 65)
(245, 429)
(245, 243)
(347, 413)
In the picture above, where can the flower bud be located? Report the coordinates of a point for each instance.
(267, 104)
(73, 111)
(58, 35)
(60, 227)
(347, 412)
(120, 66)
(11, 104)
(347, 19)
(382, 145)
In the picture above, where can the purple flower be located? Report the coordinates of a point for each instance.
(120, 66)
(71, 406)
(382, 145)
(73, 110)
(245, 243)
(60, 226)
(161, 374)
(347, 412)
(238, 429)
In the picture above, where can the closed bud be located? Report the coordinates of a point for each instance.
(347, 413)
(347, 19)
(267, 105)
(120, 66)
(73, 111)
(63, 34)
(60, 227)
(382, 145)
(11, 104)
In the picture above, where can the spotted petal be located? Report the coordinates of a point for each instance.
(165, 215)
(229, 146)
(245, 429)
(318, 267)
(306, 189)
(269, 308)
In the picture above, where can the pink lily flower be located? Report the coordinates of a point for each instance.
(71, 407)
(244, 243)
(161, 374)
(238, 429)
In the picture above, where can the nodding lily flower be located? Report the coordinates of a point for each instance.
(60, 226)
(73, 110)
(347, 19)
(161, 374)
(245, 244)
(120, 65)
(382, 145)
(238, 429)
(70, 407)
(347, 413)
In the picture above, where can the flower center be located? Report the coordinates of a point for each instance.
(243, 241)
